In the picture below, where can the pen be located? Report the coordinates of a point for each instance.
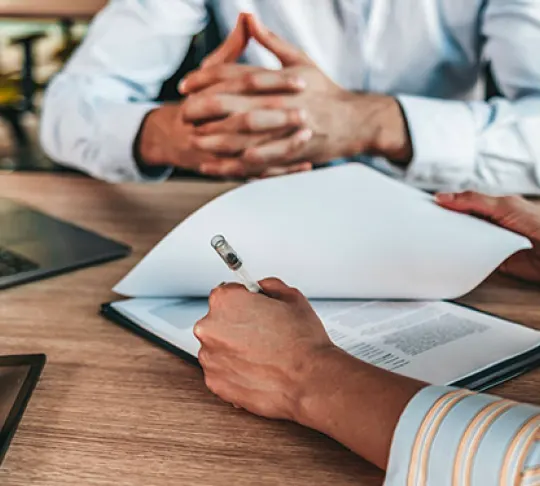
(234, 262)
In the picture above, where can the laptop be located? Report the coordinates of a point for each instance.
(34, 246)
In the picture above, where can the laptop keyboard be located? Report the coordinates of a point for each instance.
(12, 264)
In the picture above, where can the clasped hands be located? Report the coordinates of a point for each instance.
(247, 121)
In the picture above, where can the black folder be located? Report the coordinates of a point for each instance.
(480, 381)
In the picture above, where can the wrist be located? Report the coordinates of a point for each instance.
(319, 385)
(355, 403)
(386, 132)
(153, 143)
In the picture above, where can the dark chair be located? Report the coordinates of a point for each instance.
(492, 90)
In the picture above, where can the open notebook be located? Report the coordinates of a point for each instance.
(343, 233)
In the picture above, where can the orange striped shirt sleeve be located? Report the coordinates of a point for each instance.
(452, 437)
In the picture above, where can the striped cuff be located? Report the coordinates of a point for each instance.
(448, 436)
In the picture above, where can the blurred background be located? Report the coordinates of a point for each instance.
(36, 39)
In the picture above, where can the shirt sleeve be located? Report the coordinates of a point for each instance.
(489, 146)
(452, 437)
(93, 109)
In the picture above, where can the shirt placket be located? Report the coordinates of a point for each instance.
(355, 23)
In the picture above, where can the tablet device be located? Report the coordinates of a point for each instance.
(18, 378)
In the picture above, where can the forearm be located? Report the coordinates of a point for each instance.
(355, 403)
(81, 130)
(94, 108)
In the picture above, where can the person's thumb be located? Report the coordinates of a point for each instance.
(288, 54)
(275, 288)
(511, 212)
(232, 47)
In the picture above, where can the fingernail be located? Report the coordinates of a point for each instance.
(445, 197)
(305, 135)
(182, 86)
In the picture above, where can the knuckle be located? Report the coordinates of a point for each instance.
(249, 82)
(219, 294)
(193, 142)
(203, 357)
(295, 144)
(199, 329)
(274, 102)
(249, 121)
(296, 117)
(216, 386)
(222, 143)
(211, 74)
(211, 383)
(215, 296)
(187, 108)
(214, 103)
(253, 156)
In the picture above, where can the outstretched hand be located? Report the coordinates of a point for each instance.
(511, 212)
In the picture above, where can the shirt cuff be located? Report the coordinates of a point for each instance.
(119, 133)
(443, 136)
(446, 433)
(407, 431)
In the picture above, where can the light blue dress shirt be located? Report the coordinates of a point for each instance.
(429, 53)
(451, 437)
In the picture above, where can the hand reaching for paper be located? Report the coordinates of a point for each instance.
(303, 114)
(513, 213)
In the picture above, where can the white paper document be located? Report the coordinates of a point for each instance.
(344, 232)
(437, 342)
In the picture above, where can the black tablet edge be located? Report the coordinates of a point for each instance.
(108, 311)
(13, 420)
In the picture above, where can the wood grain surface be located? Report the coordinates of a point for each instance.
(112, 409)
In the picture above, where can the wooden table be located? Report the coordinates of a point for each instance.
(72, 9)
(112, 409)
